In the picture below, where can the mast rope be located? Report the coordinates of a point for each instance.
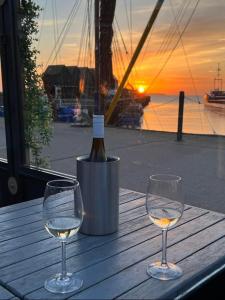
(118, 52)
(67, 30)
(42, 22)
(166, 41)
(116, 59)
(175, 46)
(172, 29)
(185, 54)
(81, 40)
(63, 31)
(54, 23)
(162, 104)
(117, 24)
(131, 29)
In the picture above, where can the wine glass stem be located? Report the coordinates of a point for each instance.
(164, 245)
(63, 260)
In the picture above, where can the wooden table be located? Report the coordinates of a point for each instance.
(111, 266)
(6, 295)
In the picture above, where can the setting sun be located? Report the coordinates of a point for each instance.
(141, 89)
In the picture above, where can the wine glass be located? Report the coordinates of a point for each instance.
(63, 216)
(164, 204)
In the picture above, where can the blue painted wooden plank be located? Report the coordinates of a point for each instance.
(130, 196)
(109, 266)
(195, 267)
(135, 275)
(5, 294)
(38, 260)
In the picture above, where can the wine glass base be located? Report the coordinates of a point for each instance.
(171, 271)
(69, 283)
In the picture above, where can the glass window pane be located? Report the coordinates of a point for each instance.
(3, 151)
(180, 54)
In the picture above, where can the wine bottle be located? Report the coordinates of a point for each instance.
(98, 148)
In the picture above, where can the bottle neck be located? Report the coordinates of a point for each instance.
(98, 126)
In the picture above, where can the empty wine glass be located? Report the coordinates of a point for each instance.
(63, 216)
(164, 204)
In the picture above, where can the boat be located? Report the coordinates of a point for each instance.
(216, 97)
(67, 85)
(63, 86)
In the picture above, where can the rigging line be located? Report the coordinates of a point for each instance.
(54, 23)
(117, 24)
(129, 23)
(119, 50)
(118, 58)
(126, 10)
(200, 113)
(86, 45)
(134, 72)
(169, 34)
(120, 54)
(168, 58)
(80, 53)
(147, 44)
(67, 29)
(157, 117)
(89, 32)
(172, 30)
(62, 31)
(159, 105)
(92, 34)
(210, 124)
(116, 61)
(57, 28)
(42, 22)
(185, 54)
(85, 37)
(119, 63)
(164, 45)
(192, 99)
(131, 29)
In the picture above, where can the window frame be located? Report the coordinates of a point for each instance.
(29, 180)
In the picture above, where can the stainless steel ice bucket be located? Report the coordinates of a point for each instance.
(99, 182)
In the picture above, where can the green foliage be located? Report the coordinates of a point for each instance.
(37, 110)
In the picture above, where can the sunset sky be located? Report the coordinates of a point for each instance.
(162, 66)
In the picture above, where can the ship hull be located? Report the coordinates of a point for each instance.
(215, 102)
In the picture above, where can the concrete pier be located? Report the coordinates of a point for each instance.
(198, 159)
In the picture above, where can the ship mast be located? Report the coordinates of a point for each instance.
(218, 80)
(133, 59)
(104, 80)
(107, 12)
(97, 58)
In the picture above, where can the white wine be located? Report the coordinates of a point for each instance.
(63, 227)
(98, 148)
(164, 217)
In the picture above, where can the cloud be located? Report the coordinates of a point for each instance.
(50, 22)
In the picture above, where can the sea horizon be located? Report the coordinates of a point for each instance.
(162, 114)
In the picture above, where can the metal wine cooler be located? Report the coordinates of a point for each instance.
(99, 183)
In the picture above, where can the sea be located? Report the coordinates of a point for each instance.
(162, 115)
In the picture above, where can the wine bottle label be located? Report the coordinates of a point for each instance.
(98, 126)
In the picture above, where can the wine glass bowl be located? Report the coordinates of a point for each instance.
(62, 217)
(164, 205)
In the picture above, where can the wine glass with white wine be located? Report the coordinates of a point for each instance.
(63, 216)
(164, 204)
